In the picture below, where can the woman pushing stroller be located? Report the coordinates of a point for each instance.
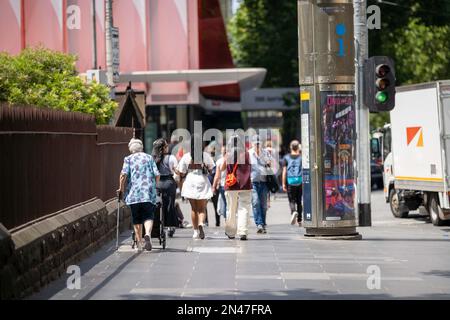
(167, 186)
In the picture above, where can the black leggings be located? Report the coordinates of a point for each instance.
(295, 200)
(214, 200)
(168, 188)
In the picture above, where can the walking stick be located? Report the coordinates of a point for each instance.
(118, 220)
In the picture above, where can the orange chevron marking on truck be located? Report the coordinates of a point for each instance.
(411, 133)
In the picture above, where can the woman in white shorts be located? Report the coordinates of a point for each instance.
(196, 187)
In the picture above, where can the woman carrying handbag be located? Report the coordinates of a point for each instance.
(238, 187)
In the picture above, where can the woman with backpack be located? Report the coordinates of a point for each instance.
(167, 185)
(195, 166)
(292, 181)
(238, 188)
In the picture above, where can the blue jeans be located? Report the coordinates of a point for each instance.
(259, 202)
(222, 202)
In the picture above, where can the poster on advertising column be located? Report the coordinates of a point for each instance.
(338, 127)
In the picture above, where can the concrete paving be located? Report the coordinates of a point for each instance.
(411, 255)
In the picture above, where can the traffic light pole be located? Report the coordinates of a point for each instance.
(362, 115)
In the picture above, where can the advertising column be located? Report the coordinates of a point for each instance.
(328, 118)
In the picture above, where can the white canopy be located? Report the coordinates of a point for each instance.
(248, 78)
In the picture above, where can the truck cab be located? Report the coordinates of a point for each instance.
(380, 146)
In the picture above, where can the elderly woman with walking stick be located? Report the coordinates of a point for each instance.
(137, 182)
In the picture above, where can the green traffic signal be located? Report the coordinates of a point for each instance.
(381, 97)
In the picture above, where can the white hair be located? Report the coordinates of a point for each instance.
(135, 145)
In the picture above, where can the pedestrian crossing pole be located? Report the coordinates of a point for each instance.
(328, 118)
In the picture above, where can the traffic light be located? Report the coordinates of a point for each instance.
(379, 84)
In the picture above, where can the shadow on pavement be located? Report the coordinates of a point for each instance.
(439, 273)
(294, 294)
(110, 277)
(106, 251)
(404, 239)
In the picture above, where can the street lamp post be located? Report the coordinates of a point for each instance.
(94, 35)
(109, 45)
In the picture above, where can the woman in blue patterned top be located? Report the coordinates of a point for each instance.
(140, 176)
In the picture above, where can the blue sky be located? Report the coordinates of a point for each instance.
(235, 5)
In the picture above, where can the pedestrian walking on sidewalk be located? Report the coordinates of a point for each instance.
(292, 181)
(220, 187)
(260, 162)
(167, 186)
(196, 187)
(238, 188)
(137, 183)
(211, 149)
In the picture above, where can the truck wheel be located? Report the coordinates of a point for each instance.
(394, 202)
(435, 210)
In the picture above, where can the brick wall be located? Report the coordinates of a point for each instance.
(40, 251)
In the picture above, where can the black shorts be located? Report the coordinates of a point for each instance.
(143, 211)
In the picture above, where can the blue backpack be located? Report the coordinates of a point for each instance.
(293, 170)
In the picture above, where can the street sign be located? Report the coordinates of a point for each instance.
(115, 53)
(269, 99)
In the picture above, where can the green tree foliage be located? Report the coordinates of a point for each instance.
(45, 78)
(378, 120)
(422, 53)
(416, 34)
(264, 34)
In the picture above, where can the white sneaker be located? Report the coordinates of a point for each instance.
(196, 235)
(259, 229)
(294, 217)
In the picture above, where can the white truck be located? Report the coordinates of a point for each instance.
(416, 171)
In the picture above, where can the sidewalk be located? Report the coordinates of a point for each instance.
(281, 264)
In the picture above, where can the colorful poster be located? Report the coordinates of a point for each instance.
(338, 126)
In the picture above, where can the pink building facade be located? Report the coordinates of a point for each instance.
(154, 35)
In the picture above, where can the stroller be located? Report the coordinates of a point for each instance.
(158, 230)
